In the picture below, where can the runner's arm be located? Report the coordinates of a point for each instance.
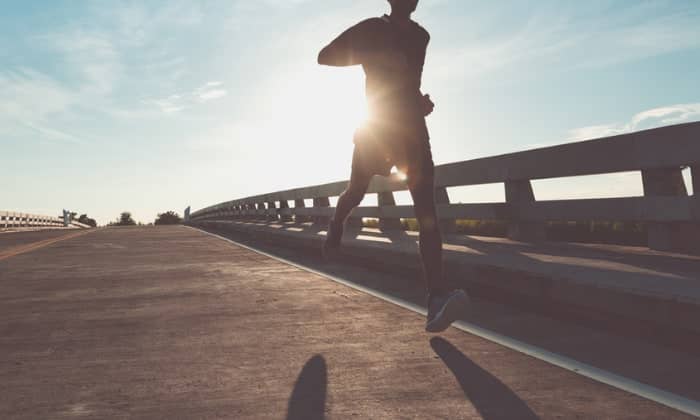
(348, 49)
(338, 52)
(428, 104)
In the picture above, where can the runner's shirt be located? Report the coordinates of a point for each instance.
(393, 96)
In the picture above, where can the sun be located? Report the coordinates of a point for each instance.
(317, 105)
(339, 100)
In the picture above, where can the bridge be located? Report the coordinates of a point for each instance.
(235, 315)
(11, 220)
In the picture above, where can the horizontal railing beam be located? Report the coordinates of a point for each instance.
(663, 147)
(659, 154)
(638, 209)
(671, 146)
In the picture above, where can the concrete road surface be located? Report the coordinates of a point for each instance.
(169, 322)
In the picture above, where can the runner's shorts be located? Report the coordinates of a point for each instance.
(381, 146)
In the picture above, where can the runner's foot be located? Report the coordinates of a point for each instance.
(444, 309)
(332, 243)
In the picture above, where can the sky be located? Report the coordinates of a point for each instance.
(110, 106)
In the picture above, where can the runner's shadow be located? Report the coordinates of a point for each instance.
(491, 397)
(308, 400)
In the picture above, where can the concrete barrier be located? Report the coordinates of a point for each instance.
(17, 220)
(658, 154)
(659, 290)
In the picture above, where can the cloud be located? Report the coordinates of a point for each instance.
(567, 39)
(95, 57)
(211, 94)
(178, 102)
(92, 56)
(656, 117)
(137, 24)
(23, 87)
(209, 91)
(52, 134)
(30, 104)
(168, 105)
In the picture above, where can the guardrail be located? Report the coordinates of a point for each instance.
(10, 219)
(80, 225)
(660, 155)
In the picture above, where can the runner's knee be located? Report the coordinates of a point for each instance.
(354, 193)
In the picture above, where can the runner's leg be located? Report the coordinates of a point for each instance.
(352, 196)
(422, 188)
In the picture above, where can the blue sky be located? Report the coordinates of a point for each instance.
(151, 106)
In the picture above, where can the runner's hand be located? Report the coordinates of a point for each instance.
(428, 105)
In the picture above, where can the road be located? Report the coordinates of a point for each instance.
(170, 322)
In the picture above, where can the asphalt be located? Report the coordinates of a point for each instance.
(17, 238)
(169, 322)
(659, 289)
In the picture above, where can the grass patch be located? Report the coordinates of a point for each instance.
(621, 233)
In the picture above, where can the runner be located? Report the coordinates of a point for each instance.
(391, 50)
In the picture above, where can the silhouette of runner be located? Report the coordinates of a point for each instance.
(391, 50)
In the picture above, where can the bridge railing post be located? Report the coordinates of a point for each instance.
(519, 192)
(272, 215)
(441, 197)
(667, 236)
(321, 202)
(300, 204)
(260, 207)
(284, 206)
(386, 199)
(251, 209)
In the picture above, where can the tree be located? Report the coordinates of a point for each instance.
(124, 220)
(168, 218)
(84, 219)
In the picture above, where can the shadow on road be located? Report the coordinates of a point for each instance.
(615, 344)
(491, 397)
(308, 400)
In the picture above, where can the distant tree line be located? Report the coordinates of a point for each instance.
(168, 218)
(124, 219)
(84, 219)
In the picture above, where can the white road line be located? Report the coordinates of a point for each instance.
(669, 399)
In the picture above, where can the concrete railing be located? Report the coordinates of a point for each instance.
(14, 220)
(660, 154)
(10, 219)
(80, 225)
